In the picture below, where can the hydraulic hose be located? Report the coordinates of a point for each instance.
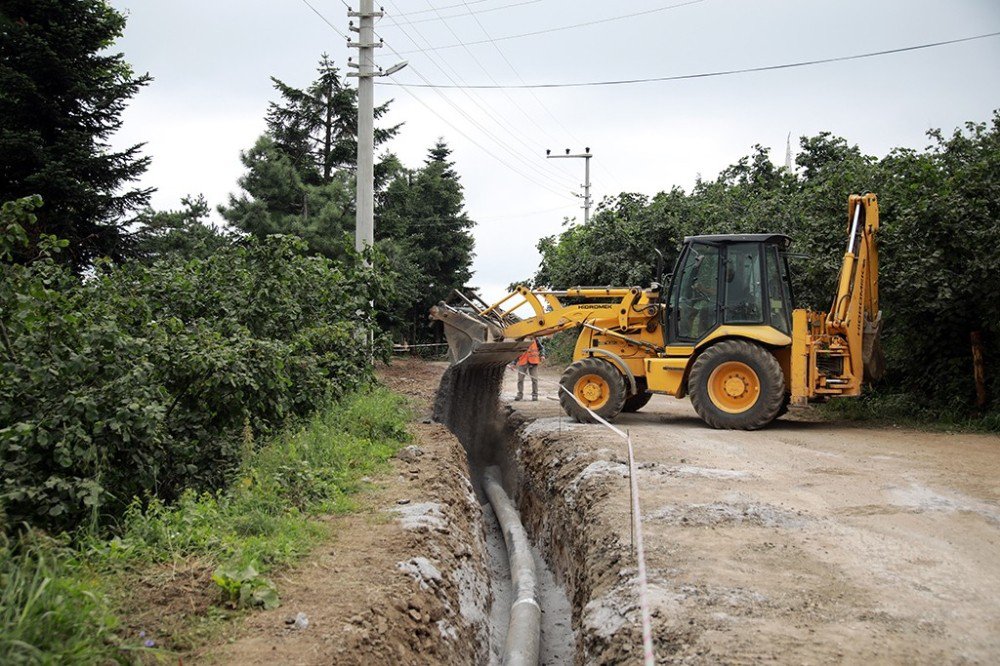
(524, 631)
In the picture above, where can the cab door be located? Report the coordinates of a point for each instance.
(694, 310)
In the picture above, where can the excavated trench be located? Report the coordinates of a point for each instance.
(468, 404)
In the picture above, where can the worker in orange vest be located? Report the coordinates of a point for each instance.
(527, 364)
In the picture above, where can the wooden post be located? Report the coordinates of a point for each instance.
(978, 368)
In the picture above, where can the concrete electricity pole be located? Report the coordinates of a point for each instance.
(364, 233)
(586, 173)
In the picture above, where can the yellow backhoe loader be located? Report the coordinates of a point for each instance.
(722, 330)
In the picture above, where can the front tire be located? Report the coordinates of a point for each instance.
(737, 385)
(595, 383)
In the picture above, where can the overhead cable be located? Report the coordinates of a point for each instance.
(426, 11)
(705, 75)
(564, 27)
(515, 132)
(525, 158)
(538, 101)
(499, 159)
(439, 17)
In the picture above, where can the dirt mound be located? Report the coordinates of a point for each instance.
(404, 580)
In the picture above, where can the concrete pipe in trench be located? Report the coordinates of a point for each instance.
(524, 631)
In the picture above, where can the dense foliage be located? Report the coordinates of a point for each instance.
(141, 379)
(939, 244)
(422, 221)
(62, 603)
(61, 98)
(299, 180)
(185, 232)
(300, 173)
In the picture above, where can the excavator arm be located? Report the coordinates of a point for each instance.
(494, 335)
(834, 352)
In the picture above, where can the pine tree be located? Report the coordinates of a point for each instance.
(299, 176)
(185, 232)
(424, 212)
(61, 97)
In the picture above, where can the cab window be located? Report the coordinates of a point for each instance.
(777, 292)
(744, 287)
(696, 296)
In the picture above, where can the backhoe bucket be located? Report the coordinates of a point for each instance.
(872, 357)
(474, 341)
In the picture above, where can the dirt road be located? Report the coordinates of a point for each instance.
(808, 542)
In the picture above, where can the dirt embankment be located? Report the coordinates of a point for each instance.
(808, 542)
(404, 580)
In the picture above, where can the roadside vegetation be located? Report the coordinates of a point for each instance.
(78, 599)
(181, 403)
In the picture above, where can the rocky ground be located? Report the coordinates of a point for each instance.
(808, 542)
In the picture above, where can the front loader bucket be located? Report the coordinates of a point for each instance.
(474, 341)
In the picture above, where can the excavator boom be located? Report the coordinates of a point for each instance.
(492, 335)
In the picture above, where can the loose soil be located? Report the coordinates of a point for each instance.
(403, 580)
(807, 542)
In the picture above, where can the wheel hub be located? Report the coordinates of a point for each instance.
(734, 387)
(592, 391)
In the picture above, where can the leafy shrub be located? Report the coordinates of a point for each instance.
(57, 601)
(138, 380)
(243, 587)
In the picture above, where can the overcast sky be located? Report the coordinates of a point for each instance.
(212, 59)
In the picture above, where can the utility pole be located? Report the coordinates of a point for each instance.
(364, 230)
(585, 156)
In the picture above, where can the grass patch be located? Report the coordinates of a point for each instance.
(51, 612)
(60, 603)
(903, 410)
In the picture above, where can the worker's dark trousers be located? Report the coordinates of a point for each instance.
(530, 369)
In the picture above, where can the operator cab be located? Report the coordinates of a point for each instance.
(729, 280)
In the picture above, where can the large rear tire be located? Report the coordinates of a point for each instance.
(634, 403)
(595, 383)
(737, 385)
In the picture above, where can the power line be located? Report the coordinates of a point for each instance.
(530, 213)
(488, 113)
(442, 118)
(705, 75)
(481, 11)
(425, 11)
(510, 99)
(566, 27)
(538, 101)
(324, 19)
(481, 146)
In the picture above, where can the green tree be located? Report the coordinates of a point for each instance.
(317, 126)
(185, 232)
(423, 213)
(62, 98)
(300, 173)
